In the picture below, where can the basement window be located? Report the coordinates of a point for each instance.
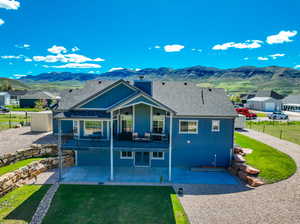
(158, 155)
(126, 155)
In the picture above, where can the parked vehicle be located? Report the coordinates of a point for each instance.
(245, 111)
(278, 116)
(4, 109)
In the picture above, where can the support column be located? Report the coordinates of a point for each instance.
(170, 146)
(60, 162)
(111, 147)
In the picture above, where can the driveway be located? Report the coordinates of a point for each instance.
(273, 203)
(18, 138)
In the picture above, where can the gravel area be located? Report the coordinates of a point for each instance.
(273, 203)
(44, 205)
(19, 138)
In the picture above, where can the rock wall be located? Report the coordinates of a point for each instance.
(35, 150)
(17, 178)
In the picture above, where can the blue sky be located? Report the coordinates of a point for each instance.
(97, 36)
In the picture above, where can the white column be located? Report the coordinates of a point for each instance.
(170, 146)
(60, 162)
(111, 147)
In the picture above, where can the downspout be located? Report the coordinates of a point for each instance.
(170, 146)
(111, 148)
(60, 162)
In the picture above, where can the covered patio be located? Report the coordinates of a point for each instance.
(153, 175)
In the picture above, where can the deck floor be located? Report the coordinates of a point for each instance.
(146, 175)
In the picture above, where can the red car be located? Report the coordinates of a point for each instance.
(246, 113)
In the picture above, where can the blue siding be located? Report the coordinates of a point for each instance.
(66, 126)
(142, 119)
(204, 145)
(142, 99)
(146, 86)
(110, 97)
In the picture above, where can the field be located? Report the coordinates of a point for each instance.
(289, 131)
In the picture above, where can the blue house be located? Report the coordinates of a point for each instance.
(146, 124)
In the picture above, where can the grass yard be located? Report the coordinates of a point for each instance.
(17, 165)
(95, 204)
(10, 120)
(273, 164)
(16, 108)
(18, 206)
(289, 131)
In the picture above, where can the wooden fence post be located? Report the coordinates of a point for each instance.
(280, 133)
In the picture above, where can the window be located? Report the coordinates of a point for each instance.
(93, 128)
(126, 155)
(157, 155)
(158, 123)
(126, 123)
(188, 126)
(76, 128)
(215, 125)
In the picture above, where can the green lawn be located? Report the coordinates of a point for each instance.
(289, 131)
(273, 164)
(18, 206)
(17, 165)
(16, 108)
(94, 204)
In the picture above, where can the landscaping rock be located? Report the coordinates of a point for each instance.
(247, 151)
(239, 158)
(249, 169)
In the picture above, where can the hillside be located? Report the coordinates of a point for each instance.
(15, 84)
(242, 79)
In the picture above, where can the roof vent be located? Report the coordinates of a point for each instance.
(70, 90)
(209, 89)
(185, 83)
(163, 83)
(141, 77)
(99, 82)
(127, 81)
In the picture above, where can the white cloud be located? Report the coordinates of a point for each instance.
(246, 59)
(115, 69)
(12, 56)
(274, 56)
(1, 22)
(247, 44)
(9, 4)
(173, 48)
(28, 59)
(157, 46)
(23, 46)
(57, 49)
(19, 75)
(297, 66)
(195, 49)
(75, 58)
(74, 65)
(262, 58)
(281, 37)
(74, 49)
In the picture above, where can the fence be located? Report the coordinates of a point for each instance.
(10, 120)
(288, 130)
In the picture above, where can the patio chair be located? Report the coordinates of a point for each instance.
(135, 136)
(147, 136)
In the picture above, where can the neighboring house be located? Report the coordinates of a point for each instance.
(4, 98)
(265, 100)
(146, 124)
(15, 96)
(291, 103)
(246, 96)
(29, 99)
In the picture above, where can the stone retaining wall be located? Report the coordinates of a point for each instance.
(17, 178)
(35, 150)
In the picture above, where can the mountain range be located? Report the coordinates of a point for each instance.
(242, 79)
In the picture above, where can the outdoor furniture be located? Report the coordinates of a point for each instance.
(158, 136)
(136, 137)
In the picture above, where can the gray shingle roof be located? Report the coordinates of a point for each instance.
(183, 97)
(268, 93)
(38, 95)
(192, 100)
(292, 99)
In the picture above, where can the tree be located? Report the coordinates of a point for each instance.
(40, 104)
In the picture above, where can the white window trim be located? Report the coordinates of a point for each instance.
(187, 132)
(84, 133)
(126, 157)
(219, 123)
(158, 158)
(164, 122)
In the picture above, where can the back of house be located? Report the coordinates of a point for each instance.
(146, 124)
